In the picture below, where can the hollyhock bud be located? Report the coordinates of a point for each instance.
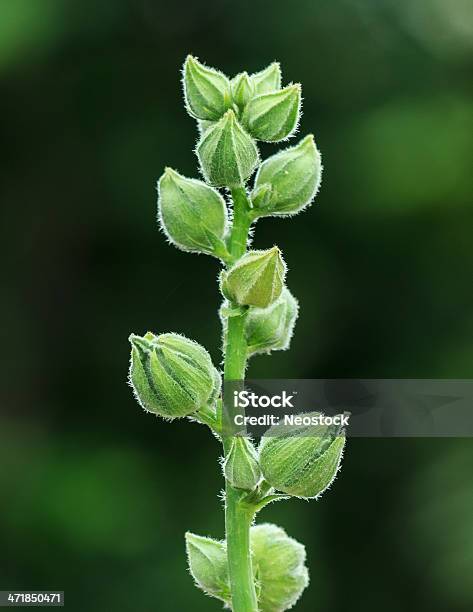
(268, 79)
(207, 559)
(227, 154)
(243, 89)
(256, 279)
(301, 460)
(171, 375)
(279, 566)
(273, 116)
(192, 214)
(241, 467)
(206, 90)
(287, 182)
(270, 329)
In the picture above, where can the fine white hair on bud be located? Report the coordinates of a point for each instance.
(227, 154)
(206, 90)
(268, 79)
(192, 214)
(256, 567)
(256, 279)
(279, 566)
(243, 89)
(171, 375)
(271, 329)
(208, 565)
(241, 467)
(288, 182)
(274, 116)
(301, 460)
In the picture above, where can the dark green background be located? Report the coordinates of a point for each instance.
(96, 495)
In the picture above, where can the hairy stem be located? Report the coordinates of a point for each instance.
(238, 516)
(241, 223)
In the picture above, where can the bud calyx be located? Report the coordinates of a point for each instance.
(206, 90)
(171, 375)
(270, 329)
(301, 460)
(256, 279)
(192, 214)
(288, 180)
(241, 467)
(273, 116)
(227, 154)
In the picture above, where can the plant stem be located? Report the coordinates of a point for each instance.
(241, 223)
(238, 516)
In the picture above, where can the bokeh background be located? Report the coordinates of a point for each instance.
(95, 496)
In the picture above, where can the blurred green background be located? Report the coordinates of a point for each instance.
(95, 495)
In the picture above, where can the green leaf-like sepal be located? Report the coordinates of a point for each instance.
(171, 375)
(227, 154)
(278, 563)
(256, 279)
(243, 89)
(206, 90)
(287, 182)
(192, 214)
(273, 116)
(301, 460)
(270, 329)
(268, 79)
(241, 467)
(207, 559)
(279, 567)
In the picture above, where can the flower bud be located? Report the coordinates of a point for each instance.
(261, 197)
(171, 375)
(268, 79)
(206, 90)
(241, 467)
(270, 329)
(287, 182)
(207, 559)
(273, 116)
(301, 460)
(192, 214)
(243, 89)
(227, 154)
(256, 279)
(279, 566)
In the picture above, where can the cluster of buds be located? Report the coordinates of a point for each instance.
(174, 377)
(278, 565)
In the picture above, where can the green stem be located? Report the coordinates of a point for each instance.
(241, 223)
(238, 515)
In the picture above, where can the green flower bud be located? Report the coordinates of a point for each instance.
(227, 154)
(273, 116)
(301, 460)
(243, 89)
(171, 375)
(241, 467)
(279, 566)
(287, 182)
(261, 196)
(206, 90)
(256, 279)
(268, 79)
(270, 329)
(207, 559)
(192, 214)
